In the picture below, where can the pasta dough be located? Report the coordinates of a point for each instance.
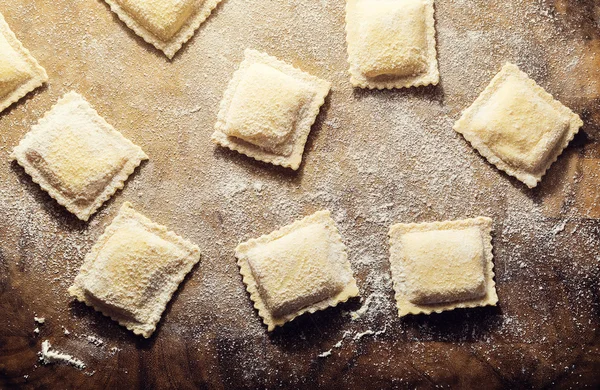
(268, 110)
(442, 265)
(77, 157)
(133, 270)
(165, 24)
(302, 267)
(518, 126)
(163, 19)
(265, 108)
(20, 73)
(391, 43)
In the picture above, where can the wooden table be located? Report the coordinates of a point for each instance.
(373, 158)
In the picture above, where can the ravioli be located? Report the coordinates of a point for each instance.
(77, 157)
(20, 73)
(441, 266)
(165, 24)
(517, 126)
(268, 110)
(391, 43)
(133, 270)
(302, 267)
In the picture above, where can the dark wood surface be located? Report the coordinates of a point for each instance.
(373, 158)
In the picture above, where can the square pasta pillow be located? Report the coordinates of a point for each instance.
(442, 266)
(20, 73)
(133, 270)
(165, 24)
(76, 156)
(268, 110)
(518, 126)
(391, 43)
(300, 268)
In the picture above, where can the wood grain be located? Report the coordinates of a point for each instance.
(373, 158)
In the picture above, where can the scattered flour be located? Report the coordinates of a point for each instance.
(360, 335)
(49, 357)
(95, 340)
(336, 345)
(363, 309)
(325, 354)
(258, 187)
(356, 337)
(560, 227)
(374, 158)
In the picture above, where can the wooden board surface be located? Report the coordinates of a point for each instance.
(373, 158)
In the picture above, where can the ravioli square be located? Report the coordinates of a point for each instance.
(268, 110)
(165, 24)
(442, 266)
(76, 156)
(20, 73)
(517, 126)
(391, 43)
(302, 267)
(132, 271)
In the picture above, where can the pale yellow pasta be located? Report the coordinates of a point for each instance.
(133, 270)
(300, 268)
(391, 43)
(518, 126)
(76, 156)
(165, 24)
(442, 266)
(20, 73)
(268, 110)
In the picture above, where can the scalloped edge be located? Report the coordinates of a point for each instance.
(308, 117)
(134, 156)
(531, 180)
(350, 290)
(128, 213)
(404, 306)
(37, 73)
(172, 46)
(432, 77)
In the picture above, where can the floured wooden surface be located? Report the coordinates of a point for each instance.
(373, 158)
